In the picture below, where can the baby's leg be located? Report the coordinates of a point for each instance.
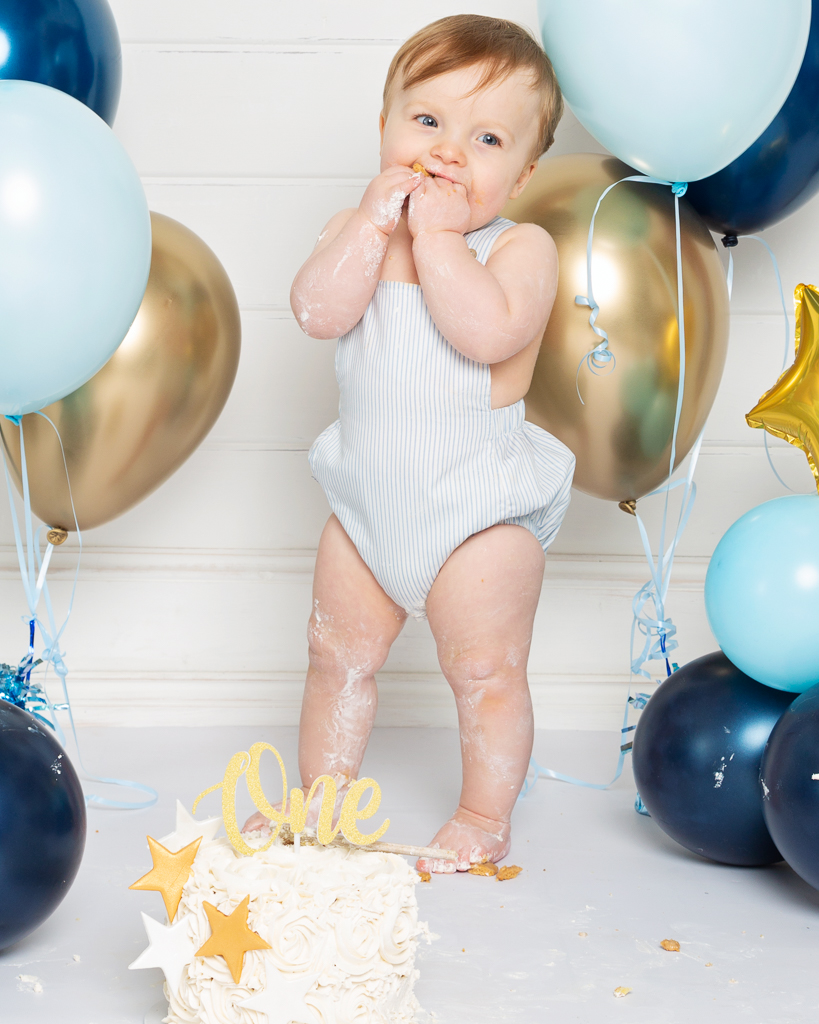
(481, 609)
(351, 630)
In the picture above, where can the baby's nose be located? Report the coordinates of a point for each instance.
(449, 150)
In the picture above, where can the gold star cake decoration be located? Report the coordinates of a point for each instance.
(790, 409)
(169, 873)
(231, 937)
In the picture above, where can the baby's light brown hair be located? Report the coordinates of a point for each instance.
(464, 40)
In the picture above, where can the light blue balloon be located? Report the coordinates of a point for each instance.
(676, 89)
(762, 592)
(75, 245)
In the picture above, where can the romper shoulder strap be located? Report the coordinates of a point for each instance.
(484, 238)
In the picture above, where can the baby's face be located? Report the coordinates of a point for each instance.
(482, 141)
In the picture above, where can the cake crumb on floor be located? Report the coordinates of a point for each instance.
(509, 871)
(29, 983)
(484, 869)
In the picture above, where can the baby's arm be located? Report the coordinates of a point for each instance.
(334, 287)
(491, 312)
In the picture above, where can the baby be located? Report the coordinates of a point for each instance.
(444, 499)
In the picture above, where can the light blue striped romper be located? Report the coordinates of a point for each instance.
(418, 460)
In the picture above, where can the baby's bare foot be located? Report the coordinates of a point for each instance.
(258, 822)
(476, 840)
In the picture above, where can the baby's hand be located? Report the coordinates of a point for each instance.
(438, 205)
(384, 199)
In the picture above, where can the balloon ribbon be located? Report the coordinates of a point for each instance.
(16, 684)
(730, 280)
(658, 629)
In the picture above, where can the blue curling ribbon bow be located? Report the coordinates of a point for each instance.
(17, 688)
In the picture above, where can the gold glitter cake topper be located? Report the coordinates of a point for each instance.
(247, 764)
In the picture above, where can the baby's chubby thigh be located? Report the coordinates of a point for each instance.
(353, 621)
(482, 604)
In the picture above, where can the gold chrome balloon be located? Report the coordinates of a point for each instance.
(137, 420)
(622, 435)
(790, 409)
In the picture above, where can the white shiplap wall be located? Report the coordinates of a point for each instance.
(252, 121)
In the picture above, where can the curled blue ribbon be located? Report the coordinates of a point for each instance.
(601, 357)
(17, 688)
(36, 588)
(658, 629)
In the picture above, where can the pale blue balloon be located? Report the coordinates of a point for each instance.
(762, 592)
(676, 89)
(75, 245)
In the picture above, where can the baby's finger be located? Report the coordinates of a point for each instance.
(405, 177)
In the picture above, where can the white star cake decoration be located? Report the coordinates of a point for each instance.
(282, 998)
(188, 829)
(171, 948)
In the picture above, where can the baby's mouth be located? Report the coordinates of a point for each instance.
(419, 168)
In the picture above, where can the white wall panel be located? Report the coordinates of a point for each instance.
(269, 111)
(262, 231)
(240, 20)
(794, 244)
(285, 392)
(284, 112)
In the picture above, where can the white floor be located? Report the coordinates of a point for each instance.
(600, 889)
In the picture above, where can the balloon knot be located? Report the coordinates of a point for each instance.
(14, 419)
(729, 241)
(679, 188)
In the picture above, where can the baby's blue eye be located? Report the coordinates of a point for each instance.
(489, 140)
(427, 121)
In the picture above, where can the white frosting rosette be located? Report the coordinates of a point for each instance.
(348, 917)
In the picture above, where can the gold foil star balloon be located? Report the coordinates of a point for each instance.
(169, 873)
(231, 937)
(791, 408)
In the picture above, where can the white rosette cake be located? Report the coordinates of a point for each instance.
(283, 929)
(341, 924)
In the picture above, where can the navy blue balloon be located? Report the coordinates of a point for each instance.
(780, 171)
(42, 823)
(697, 753)
(791, 788)
(71, 45)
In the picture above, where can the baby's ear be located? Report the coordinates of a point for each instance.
(523, 180)
(382, 121)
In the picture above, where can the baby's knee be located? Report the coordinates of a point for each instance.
(484, 669)
(335, 649)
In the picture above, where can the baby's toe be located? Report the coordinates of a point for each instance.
(435, 867)
(255, 822)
